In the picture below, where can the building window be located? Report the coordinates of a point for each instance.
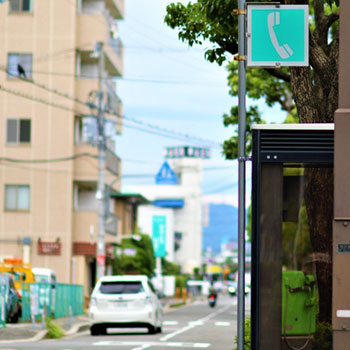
(17, 197)
(18, 131)
(20, 5)
(19, 65)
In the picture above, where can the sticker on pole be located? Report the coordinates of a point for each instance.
(101, 259)
(277, 35)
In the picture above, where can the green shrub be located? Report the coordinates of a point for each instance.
(246, 335)
(323, 339)
(180, 281)
(54, 330)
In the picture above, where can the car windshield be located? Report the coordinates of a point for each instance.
(121, 287)
(41, 278)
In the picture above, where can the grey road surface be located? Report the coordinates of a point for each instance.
(196, 326)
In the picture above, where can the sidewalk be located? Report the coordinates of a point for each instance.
(27, 332)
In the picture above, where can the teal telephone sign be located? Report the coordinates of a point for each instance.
(277, 35)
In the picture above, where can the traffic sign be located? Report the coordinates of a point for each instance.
(159, 235)
(277, 35)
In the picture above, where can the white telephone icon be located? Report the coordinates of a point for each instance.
(284, 51)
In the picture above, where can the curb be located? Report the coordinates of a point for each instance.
(42, 334)
(39, 336)
(78, 328)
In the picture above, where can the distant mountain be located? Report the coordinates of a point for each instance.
(220, 225)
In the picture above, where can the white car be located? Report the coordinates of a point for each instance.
(124, 302)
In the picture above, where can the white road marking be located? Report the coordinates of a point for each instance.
(195, 323)
(145, 345)
(170, 323)
(224, 324)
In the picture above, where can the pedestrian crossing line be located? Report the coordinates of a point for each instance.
(144, 345)
(170, 323)
(196, 323)
(224, 324)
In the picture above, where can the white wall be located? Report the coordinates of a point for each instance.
(187, 220)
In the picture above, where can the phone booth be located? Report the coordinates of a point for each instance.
(292, 193)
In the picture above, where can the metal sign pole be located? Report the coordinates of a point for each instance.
(241, 171)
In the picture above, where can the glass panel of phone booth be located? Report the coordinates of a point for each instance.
(293, 200)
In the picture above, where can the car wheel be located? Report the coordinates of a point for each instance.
(94, 330)
(152, 329)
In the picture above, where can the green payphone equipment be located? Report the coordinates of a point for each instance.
(298, 303)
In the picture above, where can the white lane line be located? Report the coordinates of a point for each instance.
(142, 347)
(195, 323)
(170, 323)
(145, 345)
(224, 324)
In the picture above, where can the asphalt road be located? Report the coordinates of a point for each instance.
(196, 326)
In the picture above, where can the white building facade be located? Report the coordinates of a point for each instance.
(177, 194)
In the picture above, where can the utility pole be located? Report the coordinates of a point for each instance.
(101, 193)
(241, 12)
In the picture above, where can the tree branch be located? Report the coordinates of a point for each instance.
(278, 74)
(320, 61)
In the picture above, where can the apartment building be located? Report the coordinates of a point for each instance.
(50, 73)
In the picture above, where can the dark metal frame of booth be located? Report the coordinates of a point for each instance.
(273, 146)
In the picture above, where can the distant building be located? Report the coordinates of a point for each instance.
(177, 195)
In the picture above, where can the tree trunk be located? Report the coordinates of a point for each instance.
(319, 205)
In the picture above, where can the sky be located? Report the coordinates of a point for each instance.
(169, 85)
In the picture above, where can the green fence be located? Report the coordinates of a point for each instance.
(60, 301)
(2, 305)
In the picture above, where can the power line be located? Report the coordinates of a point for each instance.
(135, 79)
(111, 112)
(53, 160)
(159, 131)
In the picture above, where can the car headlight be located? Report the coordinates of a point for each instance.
(232, 289)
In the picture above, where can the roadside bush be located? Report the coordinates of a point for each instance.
(246, 335)
(180, 281)
(323, 338)
(54, 331)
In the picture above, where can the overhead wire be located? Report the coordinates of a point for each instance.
(159, 132)
(52, 160)
(157, 128)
